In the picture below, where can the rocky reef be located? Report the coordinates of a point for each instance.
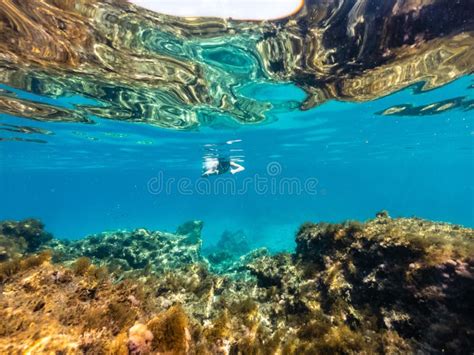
(125, 251)
(230, 247)
(388, 285)
(19, 238)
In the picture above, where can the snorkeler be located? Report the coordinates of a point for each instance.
(220, 158)
(220, 165)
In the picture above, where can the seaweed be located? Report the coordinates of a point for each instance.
(95, 318)
(99, 273)
(121, 315)
(12, 267)
(220, 328)
(35, 260)
(9, 268)
(81, 266)
(170, 331)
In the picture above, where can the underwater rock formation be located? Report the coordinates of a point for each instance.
(130, 250)
(191, 229)
(230, 246)
(412, 276)
(384, 286)
(139, 66)
(20, 238)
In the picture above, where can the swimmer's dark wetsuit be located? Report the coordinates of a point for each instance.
(223, 166)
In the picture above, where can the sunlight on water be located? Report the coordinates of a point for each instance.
(241, 9)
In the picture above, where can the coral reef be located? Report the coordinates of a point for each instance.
(388, 285)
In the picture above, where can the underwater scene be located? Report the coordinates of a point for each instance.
(205, 185)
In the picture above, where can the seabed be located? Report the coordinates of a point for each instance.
(388, 285)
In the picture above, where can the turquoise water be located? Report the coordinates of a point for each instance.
(334, 162)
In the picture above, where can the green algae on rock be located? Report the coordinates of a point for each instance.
(385, 286)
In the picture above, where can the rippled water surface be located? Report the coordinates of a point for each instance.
(107, 113)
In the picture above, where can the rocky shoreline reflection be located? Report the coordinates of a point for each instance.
(138, 66)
